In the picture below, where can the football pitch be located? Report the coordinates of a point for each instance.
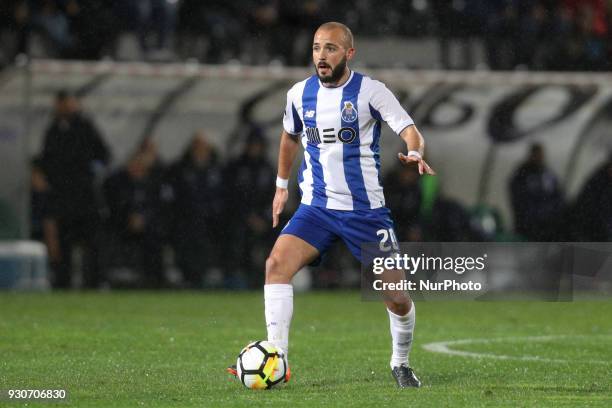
(130, 349)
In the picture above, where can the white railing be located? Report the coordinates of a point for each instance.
(229, 71)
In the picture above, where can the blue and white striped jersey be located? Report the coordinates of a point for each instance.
(340, 131)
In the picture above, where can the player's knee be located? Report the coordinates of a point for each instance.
(275, 272)
(400, 305)
(401, 309)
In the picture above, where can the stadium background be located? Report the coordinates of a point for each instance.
(162, 70)
(484, 81)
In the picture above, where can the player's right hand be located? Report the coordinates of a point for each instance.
(422, 164)
(278, 205)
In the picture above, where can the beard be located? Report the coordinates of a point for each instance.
(336, 73)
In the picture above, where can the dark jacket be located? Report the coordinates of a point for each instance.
(73, 149)
(197, 197)
(537, 201)
(125, 196)
(250, 187)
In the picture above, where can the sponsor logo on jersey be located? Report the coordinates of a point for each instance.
(349, 113)
(329, 135)
(309, 114)
(347, 135)
(312, 135)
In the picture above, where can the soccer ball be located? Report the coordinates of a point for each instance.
(262, 365)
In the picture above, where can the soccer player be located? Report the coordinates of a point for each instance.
(336, 115)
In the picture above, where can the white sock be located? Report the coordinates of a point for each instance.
(278, 300)
(401, 336)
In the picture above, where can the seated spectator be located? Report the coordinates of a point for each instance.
(537, 199)
(450, 222)
(249, 180)
(196, 182)
(135, 203)
(14, 27)
(93, 27)
(221, 22)
(50, 20)
(403, 198)
(593, 207)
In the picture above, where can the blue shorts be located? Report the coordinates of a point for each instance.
(321, 227)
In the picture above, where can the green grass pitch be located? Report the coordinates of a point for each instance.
(128, 349)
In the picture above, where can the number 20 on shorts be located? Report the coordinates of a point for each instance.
(388, 240)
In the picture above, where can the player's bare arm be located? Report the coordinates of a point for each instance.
(415, 144)
(286, 155)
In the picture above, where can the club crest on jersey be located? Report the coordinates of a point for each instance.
(349, 113)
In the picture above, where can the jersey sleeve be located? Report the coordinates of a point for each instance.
(292, 123)
(385, 106)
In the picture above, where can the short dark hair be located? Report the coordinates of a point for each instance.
(535, 148)
(63, 94)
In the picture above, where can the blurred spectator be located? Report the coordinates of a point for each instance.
(41, 204)
(262, 25)
(49, 19)
(196, 180)
(587, 48)
(297, 20)
(403, 198)
(421, 213)
(43, 217)
(593, 207)
(534, 38)
(501, 35)
(73, 154)
(250, 183)
(450, 222)
(537, 199)
(516, 34)
(92, 26)
(14, 27)
(275, 26)
(39, 199)
(148, 149)
(457, 21)
(153, 21)
(135, 200)
(220, 23)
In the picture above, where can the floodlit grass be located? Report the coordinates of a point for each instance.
(171, 349)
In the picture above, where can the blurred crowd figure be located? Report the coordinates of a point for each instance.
(537, 199)
(404, 197)
(516, 34)
(592, 214)
(200, 214)
(527, 34)
(422, 213)
(208, 214)
(247, 201)
(542, 213)
(134, 198)
(84, 29)
(541, 210)
(73, 155)
(197, 210)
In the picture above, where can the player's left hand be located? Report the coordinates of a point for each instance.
(422, 164)
(278, 205)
